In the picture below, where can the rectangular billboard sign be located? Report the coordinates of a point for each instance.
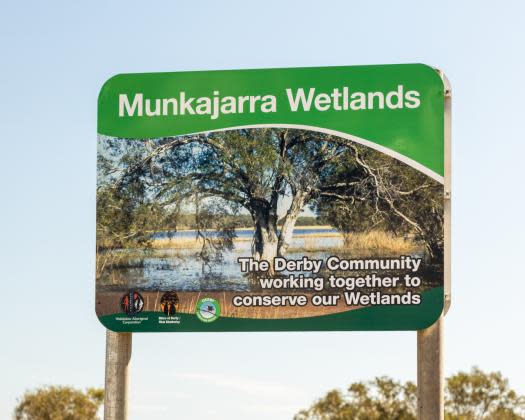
(289, 199)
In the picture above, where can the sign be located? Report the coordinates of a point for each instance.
(272, 200)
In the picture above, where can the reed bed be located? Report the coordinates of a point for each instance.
(196, 242)
(378, 241)
(373, 241)
(186, 243)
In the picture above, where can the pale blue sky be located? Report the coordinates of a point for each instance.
(54, 58)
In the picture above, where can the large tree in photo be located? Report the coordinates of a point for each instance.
(271, 173)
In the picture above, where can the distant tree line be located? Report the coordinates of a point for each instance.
(474, 395)
(185, 221)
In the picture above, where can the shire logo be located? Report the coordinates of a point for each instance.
(208, 310)
(169, 303)
(132, 303)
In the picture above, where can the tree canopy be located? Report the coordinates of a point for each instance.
(473, 395)
(59, 403)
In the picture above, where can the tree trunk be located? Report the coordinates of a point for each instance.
(286, 234)
(265, 240)
(266, 243)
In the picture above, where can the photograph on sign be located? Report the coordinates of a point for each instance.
(271, 200)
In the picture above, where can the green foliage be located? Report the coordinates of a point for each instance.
(211, 217)
(59, 403)
(468, 396)
(383, 193)
(124, 221)
(382, 398)
(309, 221)
(477, 395)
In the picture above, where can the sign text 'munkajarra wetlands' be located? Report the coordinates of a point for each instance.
(301, 99)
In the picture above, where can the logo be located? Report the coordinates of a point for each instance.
(132, 303)
(208, 309)
(169, 302)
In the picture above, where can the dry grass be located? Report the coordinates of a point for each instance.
(186, 243)
(177, 243)
(379, 241)
(193, 242)
(374, 241)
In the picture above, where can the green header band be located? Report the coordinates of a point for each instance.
(398, 109)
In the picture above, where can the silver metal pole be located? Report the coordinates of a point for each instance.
(430, 382)
(118, 355)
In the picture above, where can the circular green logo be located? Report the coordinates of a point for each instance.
(208, 309)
